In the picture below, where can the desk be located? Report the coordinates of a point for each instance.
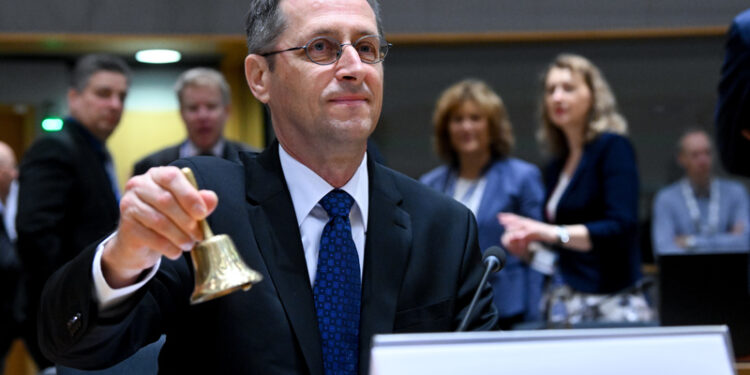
(743, 368)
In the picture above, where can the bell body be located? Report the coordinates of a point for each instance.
(219, 270)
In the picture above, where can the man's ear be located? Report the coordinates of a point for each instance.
(73, 95)
(258, 77)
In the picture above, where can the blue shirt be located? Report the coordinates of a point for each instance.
(672, 217)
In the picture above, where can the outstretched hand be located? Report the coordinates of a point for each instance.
(159, 215)
(521, 231)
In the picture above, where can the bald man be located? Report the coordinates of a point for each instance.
(9, 266)
(8, 170)
(700, 212)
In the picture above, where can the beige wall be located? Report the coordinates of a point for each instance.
(145, 129)
(139, 134)
(143, 132)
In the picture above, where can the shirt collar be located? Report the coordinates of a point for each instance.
(99, 147)
(189, 149)
(702, 192)
(307, 188)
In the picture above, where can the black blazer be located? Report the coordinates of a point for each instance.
(603, 196)
(421, 267)
(172, 153)
(65, 202)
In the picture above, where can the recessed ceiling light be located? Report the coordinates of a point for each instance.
(157, 56)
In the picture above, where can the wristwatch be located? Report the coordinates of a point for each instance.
(563, 236)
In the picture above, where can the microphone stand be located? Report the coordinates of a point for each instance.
(492, 263)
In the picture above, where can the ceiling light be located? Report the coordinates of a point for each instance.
(157, 56)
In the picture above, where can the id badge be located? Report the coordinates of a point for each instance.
(542, 259)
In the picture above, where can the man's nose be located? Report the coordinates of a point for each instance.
(116, 102)
(350, 65)
(202, 111)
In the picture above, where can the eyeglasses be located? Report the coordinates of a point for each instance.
(323, 50)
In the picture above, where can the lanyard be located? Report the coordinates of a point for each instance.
(712, 225)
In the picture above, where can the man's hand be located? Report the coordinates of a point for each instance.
(159, 215)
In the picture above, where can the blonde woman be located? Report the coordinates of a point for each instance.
(473, 135)
(591, 208)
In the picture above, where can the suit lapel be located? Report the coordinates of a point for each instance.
(277, 234)
(494, 193)
(230, 150)
(386, 255)
(580, 168)
(97, 171)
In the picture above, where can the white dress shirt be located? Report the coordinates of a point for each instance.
(9, 210)
(306, 189)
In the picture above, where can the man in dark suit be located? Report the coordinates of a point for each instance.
(10, 272)
(733, 107)
(204, 99)
(347, 248)
(67, 189)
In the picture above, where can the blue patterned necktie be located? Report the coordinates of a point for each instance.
(337, 288)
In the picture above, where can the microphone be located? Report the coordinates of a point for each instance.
(494, 261)
(495, 257)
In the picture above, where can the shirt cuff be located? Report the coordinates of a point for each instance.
(106, 295)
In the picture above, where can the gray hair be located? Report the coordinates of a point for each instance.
(202, 77)
(265, 22)
(89, 65)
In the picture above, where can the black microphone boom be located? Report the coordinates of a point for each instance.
(494, 261)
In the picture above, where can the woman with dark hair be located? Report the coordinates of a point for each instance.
(591, 208)
(474, 136)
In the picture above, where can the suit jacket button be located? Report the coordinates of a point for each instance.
(74, 324)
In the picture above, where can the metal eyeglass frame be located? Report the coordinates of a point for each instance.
(384, 47)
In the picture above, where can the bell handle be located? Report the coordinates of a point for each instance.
(207, 232)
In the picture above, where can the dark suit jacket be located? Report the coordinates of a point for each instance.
(733, 107)
(421, 267)
(170, 154)
(512, 186)
(65, 202)
(10, 291)
(603, 195)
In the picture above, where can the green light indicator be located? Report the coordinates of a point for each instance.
(52, 124)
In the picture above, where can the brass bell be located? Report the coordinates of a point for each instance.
(219, 270)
